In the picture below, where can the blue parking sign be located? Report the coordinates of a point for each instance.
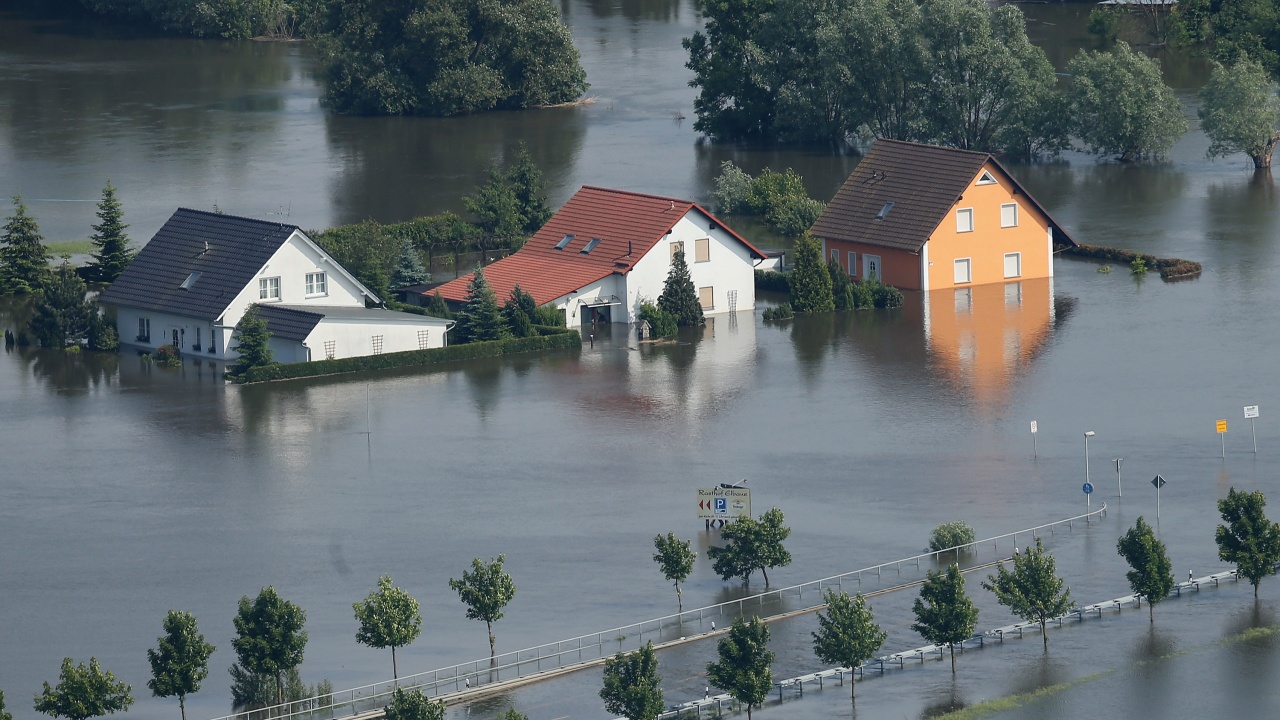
(722, 506)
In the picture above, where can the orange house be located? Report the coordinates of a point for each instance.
(921, 217)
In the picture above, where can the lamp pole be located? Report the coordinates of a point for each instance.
(1088, 434)
(1119, 487)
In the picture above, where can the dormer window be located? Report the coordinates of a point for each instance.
(590, 246)
(564, 242)
(986, 179)
(884, 211)
(191, 280)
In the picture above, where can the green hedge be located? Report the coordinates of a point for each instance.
(1170, 268)
(548, 339)
(772, 280)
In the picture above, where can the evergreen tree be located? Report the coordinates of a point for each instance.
(24, 260)
(437, 307)
(408, 270)
(679, 296)
(1240, 112)
(631, 685)
(531, 199)
(269, 636)
(743, 668)
(753, 545)
(180, 661)
(62, 315)
(944, 612)
(485, 590)
(810, 281)
(113, 254)
(1151, 575)
(252, 343)
(847, 635)
(102, 333)
(481, 318)
(1032, 590)
(388, 617)
(495, 206)
(83, 693)
(519, 311)
(675, 558)
(1248, 538)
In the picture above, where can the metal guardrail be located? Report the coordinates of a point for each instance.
(584, 648)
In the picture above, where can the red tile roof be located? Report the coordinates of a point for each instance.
(628, 225)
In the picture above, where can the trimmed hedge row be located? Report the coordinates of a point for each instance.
(772, 280)
(560, 339)
(1170, 268)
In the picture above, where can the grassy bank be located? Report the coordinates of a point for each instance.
(1170, 268)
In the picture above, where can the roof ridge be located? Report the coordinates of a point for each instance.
(238, 217)
(638, 194)
(932, 147)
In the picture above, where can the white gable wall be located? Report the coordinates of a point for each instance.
(574, 303)
(354, 337)
(291, 263)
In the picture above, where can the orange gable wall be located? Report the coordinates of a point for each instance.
(898, 268)
(989, 242)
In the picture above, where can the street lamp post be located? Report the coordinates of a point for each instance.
(1119, 487)
(1088, 434)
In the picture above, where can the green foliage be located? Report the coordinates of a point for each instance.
(1248, 538)
(1231, 30)
(950, 535)
(778, 312)
(1138, 266)
(511, 714)
(1240, 112)
(388, 617)
(1170, 268)
(884, 296)
(772, 280)
(678, 295)
(733, 186)
(409, 270)
(1151, 573)
(180, 661)
(1122, 106)
(841, 290)
(944, 612)
(4, 714)
(480, 319)
(252, 342)
(752, 545)
(102, 333)
(399, 57)
(84, 692)
(847, 634)
(1105, 23)
(519, 310)
(437, 307)
(531, 199)
(251, 691)
(661, 323)
(548, 317)
(231, 19)
(269, 636)
(24, 260)
(113, 254)
(675, 558)
(779, 198)
(485, 590)
(62, 316)
(631, 684)
(1032, 590)
(743, 668)
(367, 250)
(809, 280)
(168, 356)
(413, 705)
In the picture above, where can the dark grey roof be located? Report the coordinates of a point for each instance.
(238, 247)
(290, 323)
(922, 181)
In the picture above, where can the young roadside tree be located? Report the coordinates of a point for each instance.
(810, 282)
(512, 714)
(944, 611)
(1032, 590)
(84, 692)
(62, 315)
(743, 668)
(408, 270)
(269, 636)
(847, 635)
(24, 260)
(1240, 112)
(675, 557)
(413, 705)
(1151, 575)
(485, 590)
(631, 685)
(389, 618)
(679, 296)
(180, 661)
(252, 342)
(1248, 538)
(481, 318)
(113, 254)
(752, 545)
(1122, 106)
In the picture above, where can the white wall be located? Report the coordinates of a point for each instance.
(354, 337)
(291, 263)
(162, 327)
(573, 303)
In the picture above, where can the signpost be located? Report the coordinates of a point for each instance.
(1222, 435)
(1034, 452)
(1119, 487)
(1159, 483)
(1250, 414)
(1088, 499)
(718, 505)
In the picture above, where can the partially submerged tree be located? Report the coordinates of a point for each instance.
(389, 618)
(413, 705)
(84, 692)
(180, 661)
(809, 280)
(1032, 590)
(945, 614)
(752, 545)
(113, 254)
(62, 315)
(1151, 573)
(1248, 538)
(678, 294)
(252, 342)
(1122, 106)
(951, 535)
(269, 636)
(743, 667)
(632, 687)
(675, 558)
(847, 635)
(4, 714)
(1240, 112)
(485, 590)
(24, 260)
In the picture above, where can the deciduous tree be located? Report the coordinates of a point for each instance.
(1032, 590)
(180, 661)
(413, 705)
(675, 558)
(1240, 112)
(4, 714)
(84, 692)
(944, 612)
(24, 260)
(1151, 573)
(810, 282)
(389, 618)
(252, 342)
(752, 545)
(743, 668)
(1248, 538)
(1122, 106)
(631, 685)
(269, 636)
(485, 590)
(847, 635)
(113, 254)
(678, 294)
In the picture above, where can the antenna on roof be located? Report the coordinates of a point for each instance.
(673, 205)
(206, 247)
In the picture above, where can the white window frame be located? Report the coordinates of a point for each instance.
(1017, 256)
(144, 329)
(986, 178)
(853, 264)
(867, 262)
(1003, 221)
(317, 284)
(968, 265)
(961, 214)
(702, 250)
(265, 286)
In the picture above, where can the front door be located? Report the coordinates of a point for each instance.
(175, 338)
(870, 267)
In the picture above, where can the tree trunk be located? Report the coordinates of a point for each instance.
(853, 689)
(489, 626)
(1151, 609)
(1044, 633)
(1255, 590)
(953, 658)
(679, 598)
(279, 690)
(395, 673)
(1263, 160)
(182, 703)
(765, 573)
(748, 711)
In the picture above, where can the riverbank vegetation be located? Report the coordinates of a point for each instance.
(779, 198)
(1170, 268)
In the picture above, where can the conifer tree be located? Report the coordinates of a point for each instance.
(113, 254)
(526, 181)
(519, 310)
(679, 296)
(253, 340)
(24, 260)
(62, 315)
(481, 318)
(408, 270)
(810, 281)
(436, 306)
(4, 714)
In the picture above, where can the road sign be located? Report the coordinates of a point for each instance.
(1222, 426)
(1033, 427)
(1158, 482)
(724, 503)
(1088, 488)
(1250, 412)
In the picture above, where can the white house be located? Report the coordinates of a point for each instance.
(195, 279)
(607, 251)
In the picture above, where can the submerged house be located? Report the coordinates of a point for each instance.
(921, 217)
(607, 251)
(191, 284)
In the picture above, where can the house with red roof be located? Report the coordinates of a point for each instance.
(607, 251)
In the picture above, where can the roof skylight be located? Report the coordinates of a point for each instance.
(590, 246)
(884, 211)
(191, 280)
(564, 242)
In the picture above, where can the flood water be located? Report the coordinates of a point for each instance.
(127, 490)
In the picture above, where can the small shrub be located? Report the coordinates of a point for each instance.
(952, 534)
(863, 296)
(1138, 266)
(168, 356)
(1104, 269)
(840, 286)
(886, 296)
(548, 316)
(103, 336)
(73, 349)
(661, 322)
(780, 312)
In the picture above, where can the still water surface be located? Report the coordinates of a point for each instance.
(127, 490)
